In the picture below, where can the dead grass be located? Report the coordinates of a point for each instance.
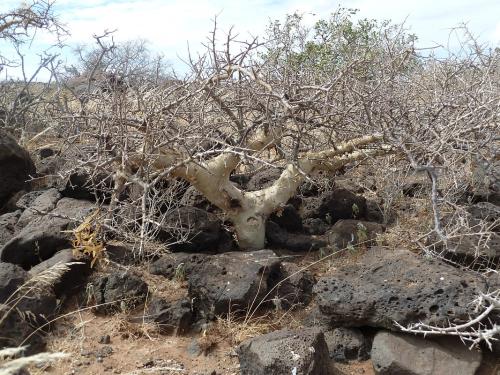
(235, 330)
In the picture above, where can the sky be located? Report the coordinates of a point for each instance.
(168, 25)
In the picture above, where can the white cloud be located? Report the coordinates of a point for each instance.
(169, 24)
(496, 33)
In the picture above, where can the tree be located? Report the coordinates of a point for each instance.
(310, 102)
(125, 64)
(17, 24)
(21, 99)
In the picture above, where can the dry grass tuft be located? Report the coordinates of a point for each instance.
(235, 329)
(38, 284)
(120, 323)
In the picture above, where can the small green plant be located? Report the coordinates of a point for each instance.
(180, 273)
(351, 248)
(362, 233)
(323, 252)
(355, 210)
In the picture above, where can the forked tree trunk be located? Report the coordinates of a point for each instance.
(250, 230)
(248, 211)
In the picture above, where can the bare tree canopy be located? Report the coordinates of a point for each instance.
(19, 23)
(22, 100)
(301, 99)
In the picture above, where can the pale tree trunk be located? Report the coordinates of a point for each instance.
(248, 211)
(250, 229)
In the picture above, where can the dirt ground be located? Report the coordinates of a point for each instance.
(134, 348)
(135, 351)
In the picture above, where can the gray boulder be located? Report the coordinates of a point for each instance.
(82, 185)
(118, 292)
(20, 325)
(297, 352)
(473, 247)
(263, 179)
(486, 211)
(42, 204)
(193, 198)
(11, 278)
(334, 205)
(409, 355)
(69, 281)
(47, 234)
(204, 228)
(288, 218)
(170, 317)
(345, 344)
(8, 226)
(353, 232)
(476, 247)
(388, 286)
(278, 237)
(16, 167)
(233, 281)
(296, 286)
(176, 265)
(46, 152)
(27, 199)
(315, 226)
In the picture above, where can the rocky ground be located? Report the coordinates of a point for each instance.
(323, 298)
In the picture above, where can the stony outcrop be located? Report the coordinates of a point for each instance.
(81, 185)
(193, 198)
(16, 168)
(71, 280)
(233, 281)
(263, 179)
(315, 226)
(43, 202)
(170, 317)
(409, 355)
(204, 230)
(11, 278)
(119, 291)
(288, 218)
(278, 237)
(24, 307)
(45, 235)
(300, 352)
(177, 265)
(296, 286)
(334, 205)
(346, 344)
(388, 286)
(8, 226)
(353, 232)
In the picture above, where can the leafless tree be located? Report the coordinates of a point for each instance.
(22, 99)
(342, 93)
(304, 100)
(308, 100)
